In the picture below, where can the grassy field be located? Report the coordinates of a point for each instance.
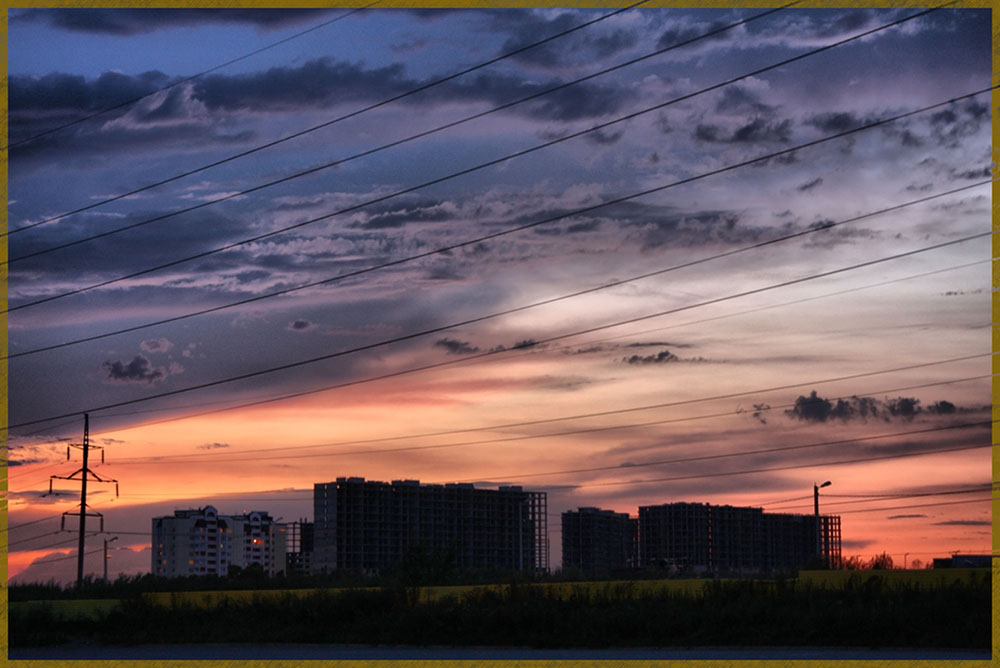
(863, 608)
(96, 610)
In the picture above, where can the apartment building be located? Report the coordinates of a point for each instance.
(598, 541)
(371, 526)
(698, 538)
(203, 542)
(707, 538)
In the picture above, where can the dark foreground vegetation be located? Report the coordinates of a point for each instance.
(863, 613)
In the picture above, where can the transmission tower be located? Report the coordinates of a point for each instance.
(83, 472)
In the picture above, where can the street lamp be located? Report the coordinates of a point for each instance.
(816, 488)
(106, 541)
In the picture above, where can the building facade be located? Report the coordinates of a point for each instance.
(370, 526)
(299, 547)
(203, 542)
(598, 541)
(706, 538)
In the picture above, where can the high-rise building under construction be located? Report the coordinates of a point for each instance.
(698, 537)
(372, 526)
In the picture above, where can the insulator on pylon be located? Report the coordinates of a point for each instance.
(102, 523)
(116, 490)
(102, 456)
(67, 453)
(62, 524)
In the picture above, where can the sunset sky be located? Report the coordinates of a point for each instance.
(487, 302)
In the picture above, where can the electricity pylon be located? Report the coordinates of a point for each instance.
(83, 472)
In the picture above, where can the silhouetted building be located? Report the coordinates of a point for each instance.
(706, 538)
(598, 541)
(371, 526)
(963, 561)
(202, 542)
(299, 547)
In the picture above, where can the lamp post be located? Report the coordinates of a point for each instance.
(106, 541)
(819, 544)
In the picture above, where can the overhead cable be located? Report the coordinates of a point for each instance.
(325, 124)
(414, 335)
(603, 286)
(243, 454)
(481, 166)
(179, 82)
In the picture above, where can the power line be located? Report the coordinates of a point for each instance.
(62, 542)
(132, 101)
(917, 505)
(604, 286)
(24, 524)
(743, 453)
(291, 365)
(873, 498)
(43, 560)
(243, 455)
(28, 540)
(383, 147)
(786, 467)
(217, 457)
(569, 346)
(491, 163)
(325, 124)
(796, 498)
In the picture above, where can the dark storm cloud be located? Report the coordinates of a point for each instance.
(213, 446)
(525, 28)
(973, 174)
(69, 92)
(164, 120)
(836, 122)
(455, 347)
(139, 370)
(38, 104)
(849, 22)
(581, 227)
(120, 254)
(856, 544)
(615, 347)
(959, 121)
(22, 462)
(758, 130)
(699, 228)
(607, 45)
(581, 101)
(679, 33)
(122, 22)
(318, 83)
(662, 357)
(605, 138)
(815, 408)
(810, 184)
(394, 216)
(738, 99)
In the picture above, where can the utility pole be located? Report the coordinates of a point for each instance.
(106, 541)
(83, 472)
(819, 541)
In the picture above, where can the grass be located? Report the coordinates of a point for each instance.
(875, 609)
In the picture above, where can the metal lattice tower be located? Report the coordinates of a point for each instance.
(83, 472)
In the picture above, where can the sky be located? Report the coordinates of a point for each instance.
(326, 243)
